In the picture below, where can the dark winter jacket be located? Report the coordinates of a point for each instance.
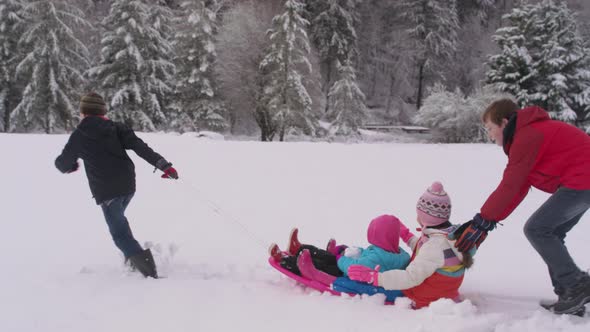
(542, 153)
(101, 143)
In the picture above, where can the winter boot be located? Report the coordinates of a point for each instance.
(331, 247)
(294, 244)
(144, 263)
(308, 270)
(574, 298)
(275, 252)
(549, 304)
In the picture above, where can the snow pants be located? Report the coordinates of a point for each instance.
(345, 285)
(114, 213)
(322, 260)
(546, 230)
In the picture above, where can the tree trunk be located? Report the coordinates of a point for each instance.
(391, 93)
(282, 133)
(328, 84)
(420, 83)
(6, 110)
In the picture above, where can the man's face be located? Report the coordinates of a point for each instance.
(495, 132)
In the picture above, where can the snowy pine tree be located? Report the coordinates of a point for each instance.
(10, 30)
(544, 61)
(347, 103)
(134, 71)
(433, 27)
(333, 33)
(162, 69)
(52, 67)
(198, 105)
(286, 103)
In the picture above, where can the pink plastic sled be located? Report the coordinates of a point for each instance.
(302, 280)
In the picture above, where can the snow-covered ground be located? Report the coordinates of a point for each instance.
(211, 230)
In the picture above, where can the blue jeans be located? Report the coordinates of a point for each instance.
(546, 230)
(114, 213)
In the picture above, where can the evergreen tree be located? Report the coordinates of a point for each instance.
(347, 103)
(433, 27)
(333, 33)
(52, 67)
(10, 30)
(199, 106)
(134, 70)
(286, 103)
(161, 68)
(544, 61)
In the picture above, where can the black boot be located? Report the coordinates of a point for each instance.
(144, 263)
(574, 298)
(549, 304)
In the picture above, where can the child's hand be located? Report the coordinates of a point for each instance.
(170, 173)
(353, 252)
(74, 168)
(364, 274)
(404, 233)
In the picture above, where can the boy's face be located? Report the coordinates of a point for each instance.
(496, 132)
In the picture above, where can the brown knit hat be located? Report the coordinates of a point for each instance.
(92, 104)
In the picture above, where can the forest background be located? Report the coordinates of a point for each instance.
(296, 69)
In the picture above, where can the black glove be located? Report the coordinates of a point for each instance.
(473, 233)
(74, 168)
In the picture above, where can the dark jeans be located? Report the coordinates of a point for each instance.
(322, 260)
(114, 213)
(546, 230)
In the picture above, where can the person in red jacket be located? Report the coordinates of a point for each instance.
(551, 156)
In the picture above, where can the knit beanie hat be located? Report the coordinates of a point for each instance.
(92, 104)
(434, 206)
(383, 232)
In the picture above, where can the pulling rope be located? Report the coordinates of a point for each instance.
(223, 215)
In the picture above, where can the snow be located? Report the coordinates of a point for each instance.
(211, 230)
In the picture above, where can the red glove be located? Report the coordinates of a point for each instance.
(364, 274)
(74, 168)
(404, 233)
(170, 173)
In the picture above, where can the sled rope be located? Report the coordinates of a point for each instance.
(224, 215)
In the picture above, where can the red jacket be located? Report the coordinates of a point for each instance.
(545, 154)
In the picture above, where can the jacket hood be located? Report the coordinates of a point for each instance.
(521, 119)
(96, 127)
(383, 232)
(529, 115)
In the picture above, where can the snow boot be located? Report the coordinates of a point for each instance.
(331, 247)
(335, 249)
(308, 270)
(275, 252)
(574, 298)
(549, 304)
(144, 263)
(294, 244)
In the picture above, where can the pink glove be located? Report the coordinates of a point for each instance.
(364, 274)
(404, 233)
